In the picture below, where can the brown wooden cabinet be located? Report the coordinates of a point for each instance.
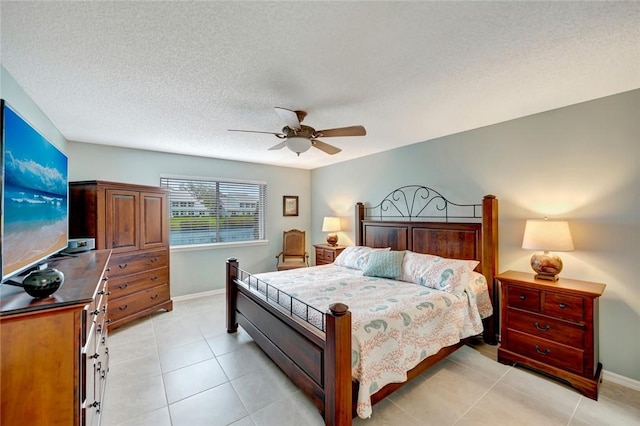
(133, 221)
(54, 350)
(552, 327)
(326, 254)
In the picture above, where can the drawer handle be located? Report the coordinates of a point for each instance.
(96, 312)
(122, 308)
(123, 286)
(522, 297)
(105, 278)
(122, 265)
(154, 297)
(562, 305)
(153, 260)
(155, 277)
(545, 352)
(94, 356)
(108, 270)
(545, 328)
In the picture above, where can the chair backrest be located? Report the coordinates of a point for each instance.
(293, 243)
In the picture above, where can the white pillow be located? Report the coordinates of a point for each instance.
(355, 257)
(440, 273)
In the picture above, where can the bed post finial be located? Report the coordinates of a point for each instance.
(232, 290)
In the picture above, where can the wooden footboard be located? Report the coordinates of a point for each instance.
(320, 366)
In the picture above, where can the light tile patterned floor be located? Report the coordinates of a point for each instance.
(182, 368)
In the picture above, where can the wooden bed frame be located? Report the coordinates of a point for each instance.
(319, 362)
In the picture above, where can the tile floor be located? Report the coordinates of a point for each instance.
(182, 368)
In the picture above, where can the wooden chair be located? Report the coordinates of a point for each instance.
(293, 254)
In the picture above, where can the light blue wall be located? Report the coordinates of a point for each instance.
(11, 92)
(580, 163)
(195, 271)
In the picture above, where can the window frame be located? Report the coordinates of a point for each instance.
(170, 181)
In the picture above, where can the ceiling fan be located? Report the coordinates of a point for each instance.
(299, 138)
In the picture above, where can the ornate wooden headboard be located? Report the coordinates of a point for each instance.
(420, 219)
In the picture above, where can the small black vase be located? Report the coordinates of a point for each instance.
(43, 283)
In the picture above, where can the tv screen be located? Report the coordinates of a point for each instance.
(34, 195)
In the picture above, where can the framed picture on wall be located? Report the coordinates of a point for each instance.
(290, 205)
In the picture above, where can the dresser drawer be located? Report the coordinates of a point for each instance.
(523, 298)
(546, 328)
(563, 306)
(137, 302)
(319, 255)
(546, 351)
(123, 286)
(125, 264)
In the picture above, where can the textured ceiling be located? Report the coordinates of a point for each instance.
(174, 76)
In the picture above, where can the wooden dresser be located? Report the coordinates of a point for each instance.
(552, 327)
(54, 350)
(326, 254)
(133, 221)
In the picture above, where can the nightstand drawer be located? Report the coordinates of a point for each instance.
(329, 256)
(546, 328)
(563, 306)
(523, 298)
(319, 255)
(555, 354)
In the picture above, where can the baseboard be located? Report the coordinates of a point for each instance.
(620, 380)
(198, 295)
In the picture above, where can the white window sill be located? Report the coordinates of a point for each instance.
(214, 246)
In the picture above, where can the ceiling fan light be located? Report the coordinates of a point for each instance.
(298, 144)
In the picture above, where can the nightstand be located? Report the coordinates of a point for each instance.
(552, 327)
(326, 254)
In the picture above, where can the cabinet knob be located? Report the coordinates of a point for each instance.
(105, 278)
(154, 297)
(123, 286)
(545, 328)
(154, 278)
(522, 297)
(562, 305)
(122, 308)
(545, 352)
(96, 312)
(94, 356)
(153, 260)
(122, 265)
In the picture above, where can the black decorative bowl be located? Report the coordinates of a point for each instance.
(43, 283)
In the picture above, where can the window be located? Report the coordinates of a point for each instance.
(208, 211)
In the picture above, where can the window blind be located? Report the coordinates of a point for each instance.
(209, 211)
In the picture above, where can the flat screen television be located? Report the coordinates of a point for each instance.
(34, 195)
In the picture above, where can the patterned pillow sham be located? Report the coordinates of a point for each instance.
(440, 273)
(356, 257)
(384, 264)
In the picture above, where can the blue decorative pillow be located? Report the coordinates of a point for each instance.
(384, 264)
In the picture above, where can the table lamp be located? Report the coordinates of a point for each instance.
(331, 224)
(547, 235)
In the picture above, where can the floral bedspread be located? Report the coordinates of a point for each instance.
(395, 324)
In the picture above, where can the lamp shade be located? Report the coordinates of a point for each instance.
(547, 235)
(331, 224)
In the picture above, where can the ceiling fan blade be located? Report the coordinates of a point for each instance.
(278, 134)
(278, 146)
(342, 131)
(322, 146)
(289, 117)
